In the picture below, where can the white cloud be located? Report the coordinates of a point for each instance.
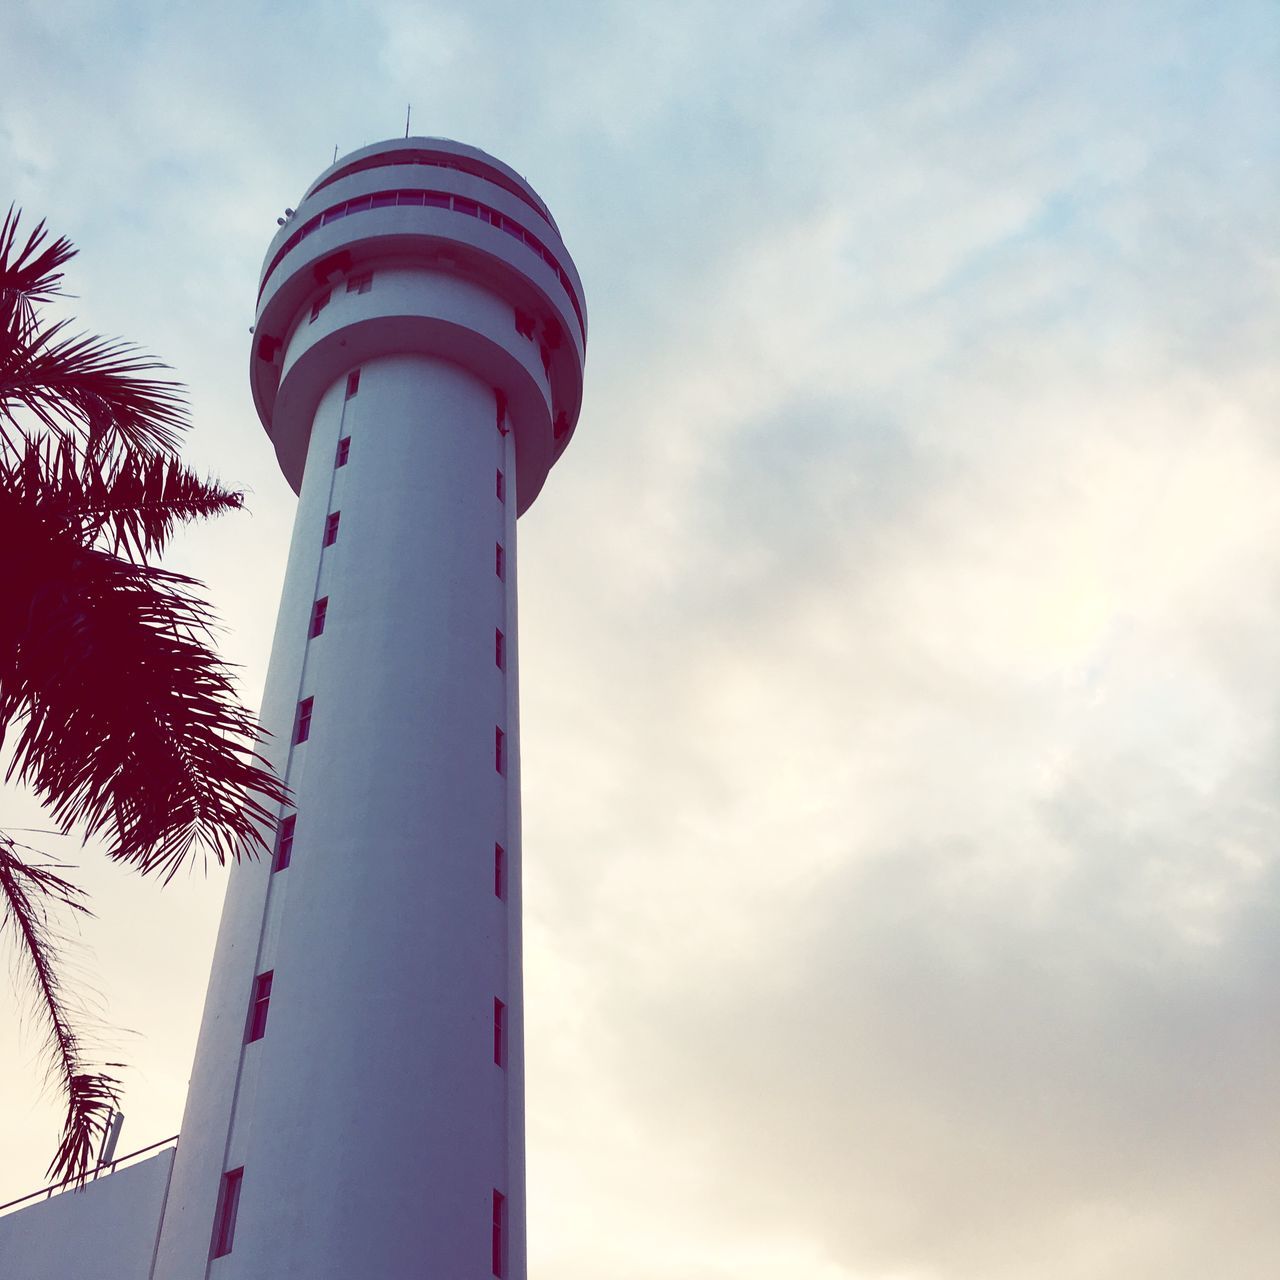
(899, 728)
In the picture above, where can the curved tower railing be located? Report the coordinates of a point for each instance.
(356, 1105)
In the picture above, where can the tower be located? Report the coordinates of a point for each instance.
(356, 1103)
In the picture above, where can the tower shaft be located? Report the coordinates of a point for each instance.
(357, 1102)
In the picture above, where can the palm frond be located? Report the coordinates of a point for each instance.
(30, 895)
(130, 503)
(90, 387)
(29, 275)
(130, 724)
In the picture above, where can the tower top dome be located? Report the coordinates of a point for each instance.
(474, 226)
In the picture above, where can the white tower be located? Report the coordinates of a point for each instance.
(356, 1104)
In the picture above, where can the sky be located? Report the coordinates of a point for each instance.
(900, 710)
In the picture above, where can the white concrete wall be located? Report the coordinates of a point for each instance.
(106, 1231)
(371, 1121)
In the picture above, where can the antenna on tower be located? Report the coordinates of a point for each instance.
(110, 1137)
(408, 109)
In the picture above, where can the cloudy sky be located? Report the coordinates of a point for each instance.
(901, 705)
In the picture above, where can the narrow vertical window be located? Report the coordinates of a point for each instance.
(499, 871)
(353, 383)
(501, 486)
(224, 1218)
(284, 843)
(500, 649)
(499, 1234)
(360, 284)
(302, 730)
(344, 451)
(331, 528)
(319, 611)
(319, 305)
(257, 1025)
(499, 750)
(499, 562)
(499, 1032)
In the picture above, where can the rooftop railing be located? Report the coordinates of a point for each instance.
(46, 1193)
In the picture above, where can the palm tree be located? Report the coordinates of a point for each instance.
(126, 723)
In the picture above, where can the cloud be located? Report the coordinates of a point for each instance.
(898, 713)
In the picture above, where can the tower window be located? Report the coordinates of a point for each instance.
(362, 283)
(284, 842)
(524, 324)
(257, 1027)
(499, 1032)
(224, 1219)
(499, 750)
(500, 649)
(499, 871)
(499, 563)
(501, 486)
(499, 1234)
(319, 611)
(353, 383)
(344, 451)
(302, 730)
(319, 305)
(331, 528)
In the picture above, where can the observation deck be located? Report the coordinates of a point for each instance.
(434, 205)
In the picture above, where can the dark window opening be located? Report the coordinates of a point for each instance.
(353, 383)
(499, 1032)
(501, 485)
(499, 562)
(499, 1233)
(500, 401)
(344, 451)
(499, 871)
(224, 1218)
(319, 304)
(331, 528)
(318, 612)
(284, 842)
(302, 731)
(362, 283)
(437, 200)
(384, 200)
(499, 750)
(257, 1027)
(500, 649)
(545, 352)
(561, 427)
(466, 206)
(524, 324)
